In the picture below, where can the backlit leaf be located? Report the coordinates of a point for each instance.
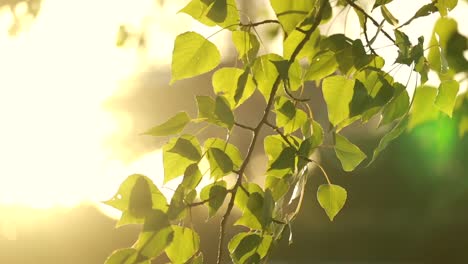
(123, 256)
(322, 65)
(178, 154)
(192, 56)
(381, 2)
(157, 234)
(288, 116)
(289, 19)
(446, 5)
(396, 108)
(213, 12)
(223, 112)
(390, 136)
(246, 44)
(349, 154)
(172, 126)
(338, 92)
(140, 203)
(310, 48)
(388, 16)
(228, 148)
(265, 73)
(446, 96)
(184, 245)
(423, 108)
(121, 200)
(215, 194)
(236, 85)
(220, 163)
(331, 198)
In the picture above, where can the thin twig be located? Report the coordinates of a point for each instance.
(351, 3)
(244, 126)
(256, 132)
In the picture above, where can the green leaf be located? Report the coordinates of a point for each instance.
(423, 108)
(331, 198)
(322, 65)
(220, 163)
(404, 48)
(184, 245)
(186, 148)
(257, 213)
(215, 194)
(213, 12)
(197, 259)
(247, 45)
(446, 96)
(193, 55)
(389, 137)
(206, 106)
(289, 19)
(349, 154)
(178, 206)
(156, 236)
(178, 154)
(278, 186)
(288, 116)
(425, 10)
(338, 92)
(223, 112)
(121, 200)
(446, 49)
(228, 148)
(198, 9)
(123, 256)
(265, 73)
(172, 126)
(192, 177)
(284, 164)
(242, 197)
(446, 5)
(243, 245)
(140, 203)
(308, 51)
(396, 108)
(309, 144)
(388, 16)
(380, 2)
(236, 85)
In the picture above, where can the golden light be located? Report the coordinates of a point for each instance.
(54, 78)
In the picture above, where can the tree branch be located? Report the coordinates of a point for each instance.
(257, 129)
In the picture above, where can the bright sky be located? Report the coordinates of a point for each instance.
(53, 80)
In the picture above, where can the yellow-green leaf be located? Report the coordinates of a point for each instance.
(235, 84)
(215, 194)
(193, 55)
(338, 93)
(349, 154)
(447, 95)
(331, 198)
(184, 245)
(172, 126)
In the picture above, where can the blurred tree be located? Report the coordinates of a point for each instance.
(22, 11)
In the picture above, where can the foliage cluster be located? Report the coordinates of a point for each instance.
(354, 85)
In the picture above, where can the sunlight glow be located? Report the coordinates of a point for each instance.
(54, 78)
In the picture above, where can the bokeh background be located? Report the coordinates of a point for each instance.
(80, 81)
